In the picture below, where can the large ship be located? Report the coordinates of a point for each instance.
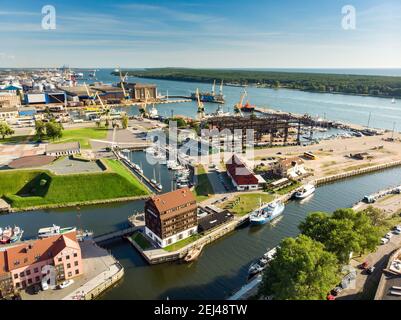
(211, 97)
(54, 230)
(10, 235)
(266, 213)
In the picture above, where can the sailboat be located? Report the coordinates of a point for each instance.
(154, 177)
(159, 185)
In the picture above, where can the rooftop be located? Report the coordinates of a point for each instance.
(240, 173)
(173, 199)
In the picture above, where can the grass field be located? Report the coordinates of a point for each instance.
(29, 188)
(203, 187)
(181, 244)
(243, 204)
(17, 139)
(141, 241)
(83, 136)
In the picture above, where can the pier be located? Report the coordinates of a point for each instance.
(115, 234)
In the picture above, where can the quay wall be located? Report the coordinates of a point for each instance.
(108, 283)
(344, 175)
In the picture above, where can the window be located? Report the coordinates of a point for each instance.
(77, 271)
(16, 262)
(68, 265)
(22, 274)
(70, 274)
(37, 257)
(75, 255)
(36, 270)
(28, 272)
(18, 285)
(29, 281)
(16, 276)
(37, 279)
(75, 263)
(67, 257)
(60, 259)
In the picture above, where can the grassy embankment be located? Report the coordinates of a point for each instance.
(203, 188)
(40, 188)
(81, 135)
(141, 241)
(181, 244)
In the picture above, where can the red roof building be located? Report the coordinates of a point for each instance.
(241, 177)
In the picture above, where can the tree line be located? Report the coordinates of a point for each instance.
(381, 86)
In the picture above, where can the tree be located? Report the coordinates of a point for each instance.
(98, 124)
(301, 270)
(5, 130)
(54, 130)
(124, 121)
(343, 232)
(40, 129)
(376, 215)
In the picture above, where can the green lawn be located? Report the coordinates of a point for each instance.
(82, 135)
(244, 204)
(28, 188)
(141, 240)
(181, 244)
(18, 139)
(203, 187)
(289, 188)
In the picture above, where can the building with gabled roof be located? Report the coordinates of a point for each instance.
(171, 217)
(241, 176)
(30, 262)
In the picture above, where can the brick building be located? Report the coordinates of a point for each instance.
(171, 217)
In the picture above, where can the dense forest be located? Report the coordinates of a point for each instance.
(380, 86)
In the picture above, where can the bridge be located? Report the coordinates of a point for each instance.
(115, 234)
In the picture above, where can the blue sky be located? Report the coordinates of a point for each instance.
(225, 33)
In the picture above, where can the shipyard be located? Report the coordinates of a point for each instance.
(234, 154)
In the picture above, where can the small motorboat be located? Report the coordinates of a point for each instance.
(193, 254)
(305, 192)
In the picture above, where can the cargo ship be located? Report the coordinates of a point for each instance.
(211, 97)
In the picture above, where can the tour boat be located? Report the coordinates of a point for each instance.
(266, 213)
(305, 192)
(54, 230)
(153, 113)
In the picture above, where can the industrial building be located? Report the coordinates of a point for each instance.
(9, 100)
(51, 97)
(63, 149)
(140, 91)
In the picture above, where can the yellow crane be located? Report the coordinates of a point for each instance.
(91, 96)
(238, 106)
(122, 82)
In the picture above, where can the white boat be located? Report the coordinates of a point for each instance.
(393, 100)
(153, 113)
(305, 192)
(54, 230)
(266, 213)
(260, 265)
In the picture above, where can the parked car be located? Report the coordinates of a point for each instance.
(370, 270)
(389, 235)
(45, 286)
(397, 232)
(331, 297)
(384, 241)
(65, 284)
(364, 265)
(336, 291)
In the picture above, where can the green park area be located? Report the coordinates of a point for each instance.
(83, 136)
(181, 244)
(244, 204)
(41, 188)
(141, 241)
(203, 188)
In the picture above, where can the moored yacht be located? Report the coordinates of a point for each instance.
(305, 192)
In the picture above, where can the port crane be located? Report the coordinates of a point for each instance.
(92, 97)
(238, 106)
(122, 83)
(201, 107)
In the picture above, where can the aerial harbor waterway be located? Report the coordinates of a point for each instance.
(223, 265)
(377, 112)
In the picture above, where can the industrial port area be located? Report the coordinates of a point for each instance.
(235, 185)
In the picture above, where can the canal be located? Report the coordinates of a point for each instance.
(222, 267)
